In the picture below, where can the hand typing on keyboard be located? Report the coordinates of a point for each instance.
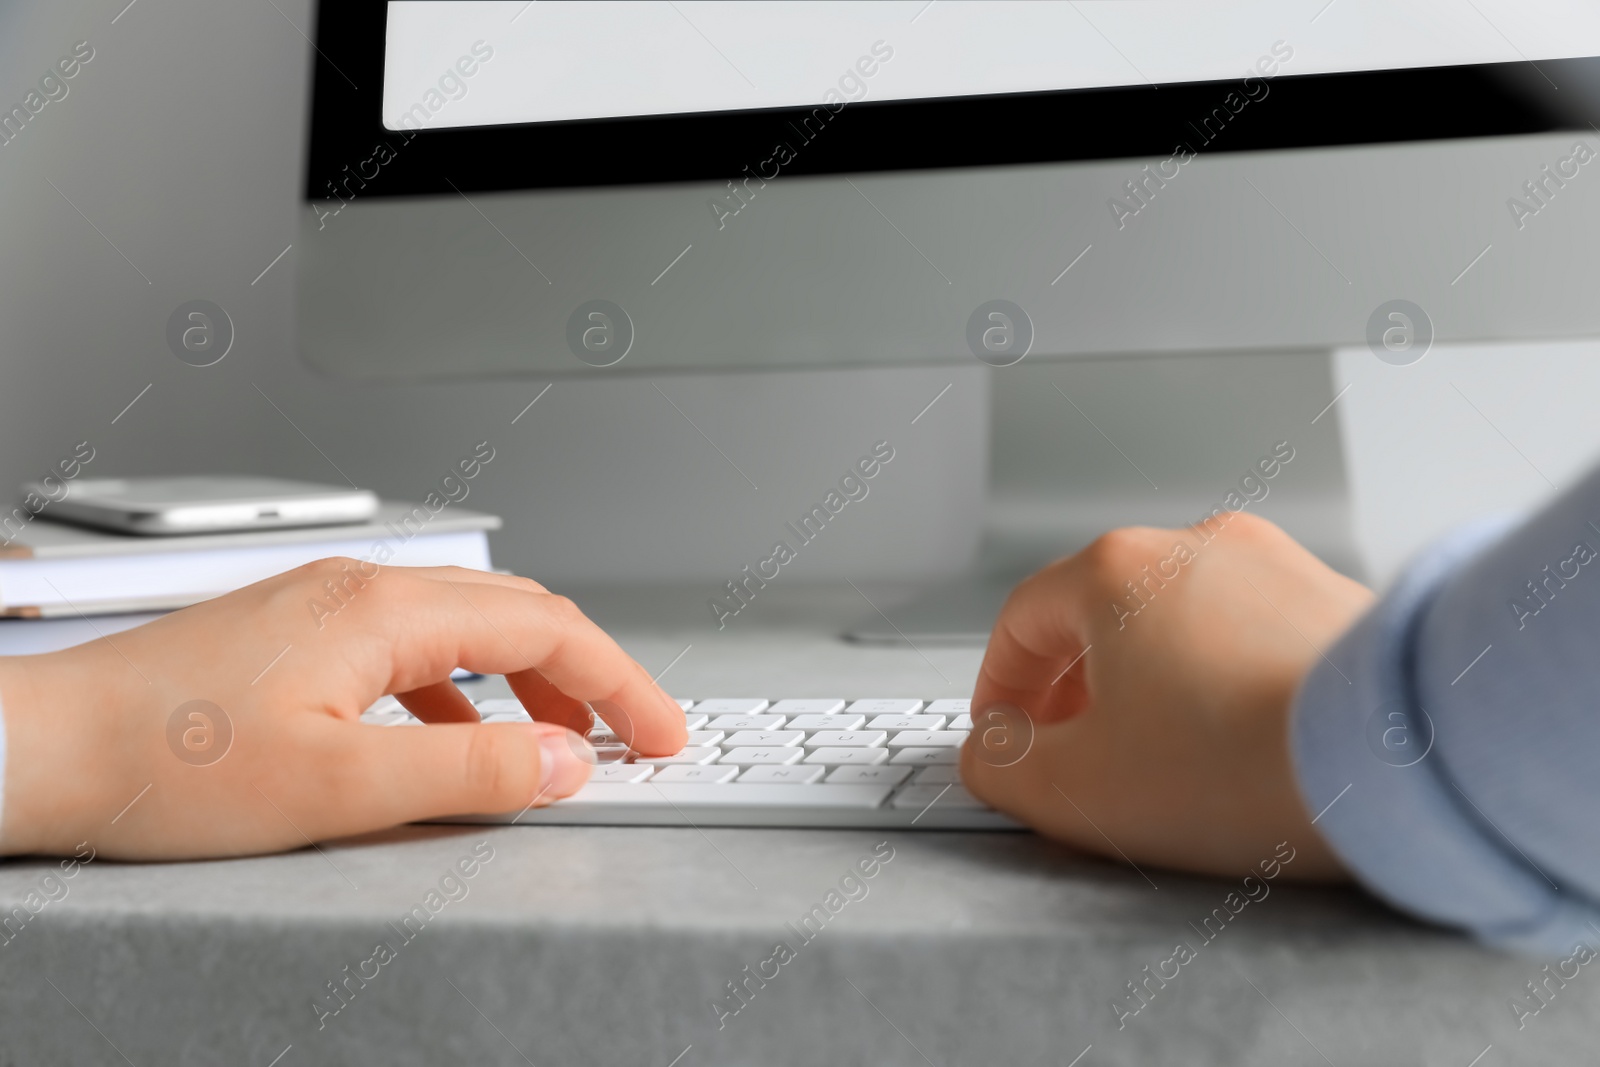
(232, 727)
(1160, 723)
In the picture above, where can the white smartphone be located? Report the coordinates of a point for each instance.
(203, 503)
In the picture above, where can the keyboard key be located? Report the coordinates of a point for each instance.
(922, 757)
(846, 739)
(711, 773)
(807, 707)
(733, 706)
(945, 775)
(499, 706)
(949, 707)
(961, 722)
(907, 722)
(798, 775)
(885, 774)
(685, 703)
(928, 739)
(855, 757)
(701, 738)
(730, 795)
(745, 722)
(599, 723)
(920, 797)
(621, 772)
(750, 756)
(842, 721)
(611, 752)
(692, 754)
(765, 738)
(695, 721)
(890, 706)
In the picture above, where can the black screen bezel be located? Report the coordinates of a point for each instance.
(1310, 110)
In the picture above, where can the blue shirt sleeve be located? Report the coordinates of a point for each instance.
(1449, 744)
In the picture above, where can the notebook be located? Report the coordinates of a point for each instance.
(52, 569)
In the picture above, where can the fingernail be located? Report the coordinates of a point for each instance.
(564, 765)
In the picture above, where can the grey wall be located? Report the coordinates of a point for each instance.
(1471, 430)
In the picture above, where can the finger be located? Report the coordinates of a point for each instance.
(471, 576)
(382, 776)
(1008, 785)
(439, 703)
(1036, 653)
(546, 703)
(490, 628)
(542, 700)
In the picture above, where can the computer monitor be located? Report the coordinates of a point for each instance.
(497, 187)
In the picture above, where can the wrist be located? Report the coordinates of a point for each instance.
(15, 698)
(46, 780)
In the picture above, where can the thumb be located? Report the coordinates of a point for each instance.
(385, 775)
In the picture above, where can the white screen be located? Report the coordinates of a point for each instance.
(545, 61)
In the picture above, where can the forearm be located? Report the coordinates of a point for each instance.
(1452, 735)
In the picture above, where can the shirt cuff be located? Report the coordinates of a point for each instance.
(1363, 751)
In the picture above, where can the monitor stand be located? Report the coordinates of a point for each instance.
(1155, 441)
(956, 614)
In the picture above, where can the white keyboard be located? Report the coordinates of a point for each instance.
(883, 762)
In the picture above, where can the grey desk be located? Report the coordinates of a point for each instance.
(615, 946)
